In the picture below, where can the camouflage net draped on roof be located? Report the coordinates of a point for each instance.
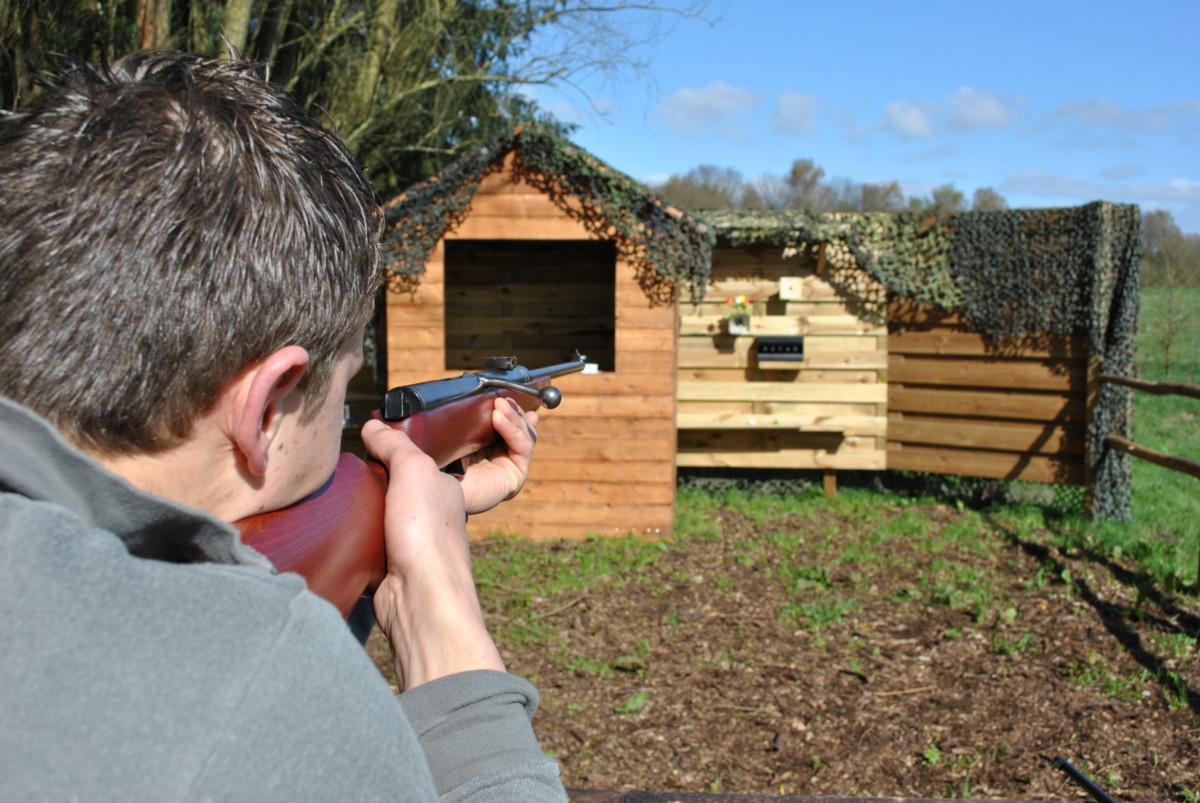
(1020, 277)
(667, 247)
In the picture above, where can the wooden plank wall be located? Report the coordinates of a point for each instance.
(605, 461)
(956, 406)
(827, 411)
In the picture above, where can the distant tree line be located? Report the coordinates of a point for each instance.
(1170, 258)
(408, 84)
(805, 186)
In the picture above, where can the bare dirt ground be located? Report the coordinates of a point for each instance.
(690, 679)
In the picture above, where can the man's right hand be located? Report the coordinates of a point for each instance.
(427, 604)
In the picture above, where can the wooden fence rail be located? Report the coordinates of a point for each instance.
(1173, 462)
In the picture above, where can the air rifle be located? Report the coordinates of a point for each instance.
(334, 536)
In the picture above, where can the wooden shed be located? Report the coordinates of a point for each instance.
(534, 248)
(961, 344)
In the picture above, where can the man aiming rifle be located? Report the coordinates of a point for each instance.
(187, 262)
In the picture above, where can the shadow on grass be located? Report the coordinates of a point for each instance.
(1116, 616)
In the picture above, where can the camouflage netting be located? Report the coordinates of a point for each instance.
(668, 249)
(1020, 276)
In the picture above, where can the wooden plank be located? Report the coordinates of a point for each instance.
(542, 326)
(748, 423)
(709, 357)
(843, 408)
(834, 306)
(844, 360)
(754, 289)
(782, 391)
(986, 404)
(850, 425)
(421, 337)
(483, 227)
(968, 343)
(818, 343)
(628, 338)
(778, 408)
(659, 362)
(584, 406)
(594, 493)
(620, 519)
(714, 375)
(554, 531)
(1046, 439)
(648, 449)
(1056, 375)
(516, 205)
(626, 473)
(776, 371)
(770, 440)
(554, 427)
(783, 325)
(799, 459)
(567, 301)
(1000, 465)
(609, 385)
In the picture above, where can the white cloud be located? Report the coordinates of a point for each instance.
(1175, 189)
(975, 109)
(795, 113)
(908, 118)
(689, 110)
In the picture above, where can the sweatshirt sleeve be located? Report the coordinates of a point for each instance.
(475, 730)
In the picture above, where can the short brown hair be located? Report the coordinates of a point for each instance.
(164, 224)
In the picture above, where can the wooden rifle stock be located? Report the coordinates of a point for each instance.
(334, 536)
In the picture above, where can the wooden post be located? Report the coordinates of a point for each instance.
(830, 483)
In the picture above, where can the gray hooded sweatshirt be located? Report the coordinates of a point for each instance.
(146, 654)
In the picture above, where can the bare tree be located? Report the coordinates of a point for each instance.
(986, 199)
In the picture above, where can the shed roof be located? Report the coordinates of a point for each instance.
(667, 246)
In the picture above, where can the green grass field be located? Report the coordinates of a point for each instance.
(1166, 504)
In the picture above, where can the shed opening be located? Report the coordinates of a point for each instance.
(539, 300)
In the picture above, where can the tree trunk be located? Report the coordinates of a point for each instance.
(270, 32)
(381, 34)
(237, 28)
(154, 20)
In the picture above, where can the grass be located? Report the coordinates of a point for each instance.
(1164, 536)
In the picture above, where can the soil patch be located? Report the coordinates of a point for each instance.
(710, 669)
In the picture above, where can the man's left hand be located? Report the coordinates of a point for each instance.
(497, 473)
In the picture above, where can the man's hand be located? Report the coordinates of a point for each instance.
(496, 474)
(427, 605)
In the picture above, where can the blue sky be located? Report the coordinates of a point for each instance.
(1049, 103)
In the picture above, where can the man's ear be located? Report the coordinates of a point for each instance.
(263, 397)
